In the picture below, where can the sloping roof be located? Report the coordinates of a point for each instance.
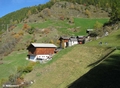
(73, 39)
(65, 38)
(90, 29)
(80, 36)
(43, 45)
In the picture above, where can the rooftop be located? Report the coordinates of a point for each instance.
(43, 45)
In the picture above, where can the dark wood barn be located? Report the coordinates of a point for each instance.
(40, 50)
(64, 42)
(81, 39)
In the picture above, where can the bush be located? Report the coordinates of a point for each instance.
(3, 81)
(29, 67)
(93, 34)
(31, 30)
(12, 78)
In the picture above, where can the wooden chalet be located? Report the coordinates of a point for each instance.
(64, 42)
(67, 41)
(81, 39)
(40, 51)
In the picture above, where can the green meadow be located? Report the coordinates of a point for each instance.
(66, 28)
(12, 62)
(112, 40)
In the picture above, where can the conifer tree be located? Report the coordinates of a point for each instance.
(115, 14)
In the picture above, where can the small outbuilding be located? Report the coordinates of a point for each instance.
(40, 51)
(67, 41)
(64, 42)
(73, 41)
(88, 31)
(81, 39)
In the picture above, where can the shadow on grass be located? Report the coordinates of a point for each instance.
(118, 36)
(102, 58)
(105, 75)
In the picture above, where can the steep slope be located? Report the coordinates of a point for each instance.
(67, 68)
(71, 63)
(67, 10)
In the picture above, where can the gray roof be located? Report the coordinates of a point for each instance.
(73, 39)
(90, 29)
(65, 37)
(43, 45)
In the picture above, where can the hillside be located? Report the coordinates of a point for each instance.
(69, 65)
(66, 66)
(54, 10)
(67, 10)
(46, 32)
(46, 26)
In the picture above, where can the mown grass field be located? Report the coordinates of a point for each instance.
(12, 62)
(85, 23)
(63, 26)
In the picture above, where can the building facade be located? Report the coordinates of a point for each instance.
(40, 51)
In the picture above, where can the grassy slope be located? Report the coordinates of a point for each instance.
(63, 26)
(105, 75)
(74, 64)
(11, 62)
(112, 40)
(71, 64)
(17, 58)
(85, 23)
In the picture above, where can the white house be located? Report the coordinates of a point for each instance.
(72, 41)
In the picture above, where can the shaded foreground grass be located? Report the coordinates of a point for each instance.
(105, 75)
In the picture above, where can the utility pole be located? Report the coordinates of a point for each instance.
(7, 27)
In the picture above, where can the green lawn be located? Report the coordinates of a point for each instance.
(63, 26)
(11, 63)
(87, 23)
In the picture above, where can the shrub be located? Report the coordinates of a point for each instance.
(3, 81)
(29, 67)
(25, 26)
(51, 41)
(17, 36)
(31, 30)
(21, 33)
(12, 79)
(87, 12)
(98, 25)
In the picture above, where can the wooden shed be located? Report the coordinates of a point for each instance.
(37, 51)
(81, 39)
(64, 42)
(88, 31)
